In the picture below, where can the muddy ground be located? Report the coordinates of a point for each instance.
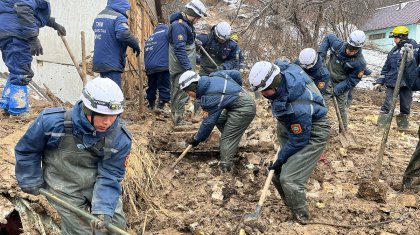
(199, 200)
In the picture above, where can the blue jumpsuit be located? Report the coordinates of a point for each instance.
(20, 21)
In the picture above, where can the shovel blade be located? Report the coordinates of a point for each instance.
(254, 215)
(168, 172)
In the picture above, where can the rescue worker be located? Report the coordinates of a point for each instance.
(225, 105)
(302, 128)
(346, 66)
(238, 55)
(182, 53)
(156, 60)
(389, 76)
(411, 177)
(112, 36)
(20, 22)
(312, 64)
(80, 155)
(221, 48)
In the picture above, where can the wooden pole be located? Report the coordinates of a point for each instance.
(72, 56)
(82, 34)
(377, 170)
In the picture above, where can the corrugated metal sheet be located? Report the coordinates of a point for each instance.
(391, 16)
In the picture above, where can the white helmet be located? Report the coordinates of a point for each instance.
(104, 96)
(198, 7)
(357, 38)
(262, 75)
(223, 30)
(308, 58)
(187, 78)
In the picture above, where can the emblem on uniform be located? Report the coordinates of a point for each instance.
(126, 161)
(205, 114)
(321, 85)
(180, 37)
(296, 128)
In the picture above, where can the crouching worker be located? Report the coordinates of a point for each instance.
(302, 128)
(225, 105)
(80, 155)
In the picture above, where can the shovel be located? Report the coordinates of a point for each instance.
(66, 44)
(373, 189)
(82, 213)
(256, 214)
(346, 138)
(168, 172)
(208, 56)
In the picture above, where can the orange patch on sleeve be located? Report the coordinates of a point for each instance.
(321, 85)
(126, 161)
(296, 128)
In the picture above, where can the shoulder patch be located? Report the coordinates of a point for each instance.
(180, 21)
(54, 110)
(321, 85)
(296, 128)
(125, 130)
(180, 37)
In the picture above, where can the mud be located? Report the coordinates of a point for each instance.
(201, 200)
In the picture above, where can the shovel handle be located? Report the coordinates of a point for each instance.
(181, 156)
(267, 183)
(337, 111)
(82, 213)
(208, 56)
(66, 44)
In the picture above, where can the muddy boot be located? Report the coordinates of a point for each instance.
(406, 184)
(151, 104)
(301, 215)
(225, 167)
(382, 118)
(178, 119)
(402, 122)
(161, 104)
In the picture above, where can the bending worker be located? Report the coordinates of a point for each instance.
(225, 105)
(302, 128)
(80, 155)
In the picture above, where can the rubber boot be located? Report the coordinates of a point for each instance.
(151, 104)
(225, 167)
(161, 104)
(301, 215)
(178, 119)
(402, 122)
(382, 118)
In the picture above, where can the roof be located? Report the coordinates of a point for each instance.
(390, 16)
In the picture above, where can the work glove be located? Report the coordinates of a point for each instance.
(276, 166)
(36, 47)
(410, 51)
(136, 50)
(61, 31)
(198, 42)
(193, 141)
(32, 190)
(101, 223)
(378, 87)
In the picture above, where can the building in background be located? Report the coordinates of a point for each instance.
(384, 19)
